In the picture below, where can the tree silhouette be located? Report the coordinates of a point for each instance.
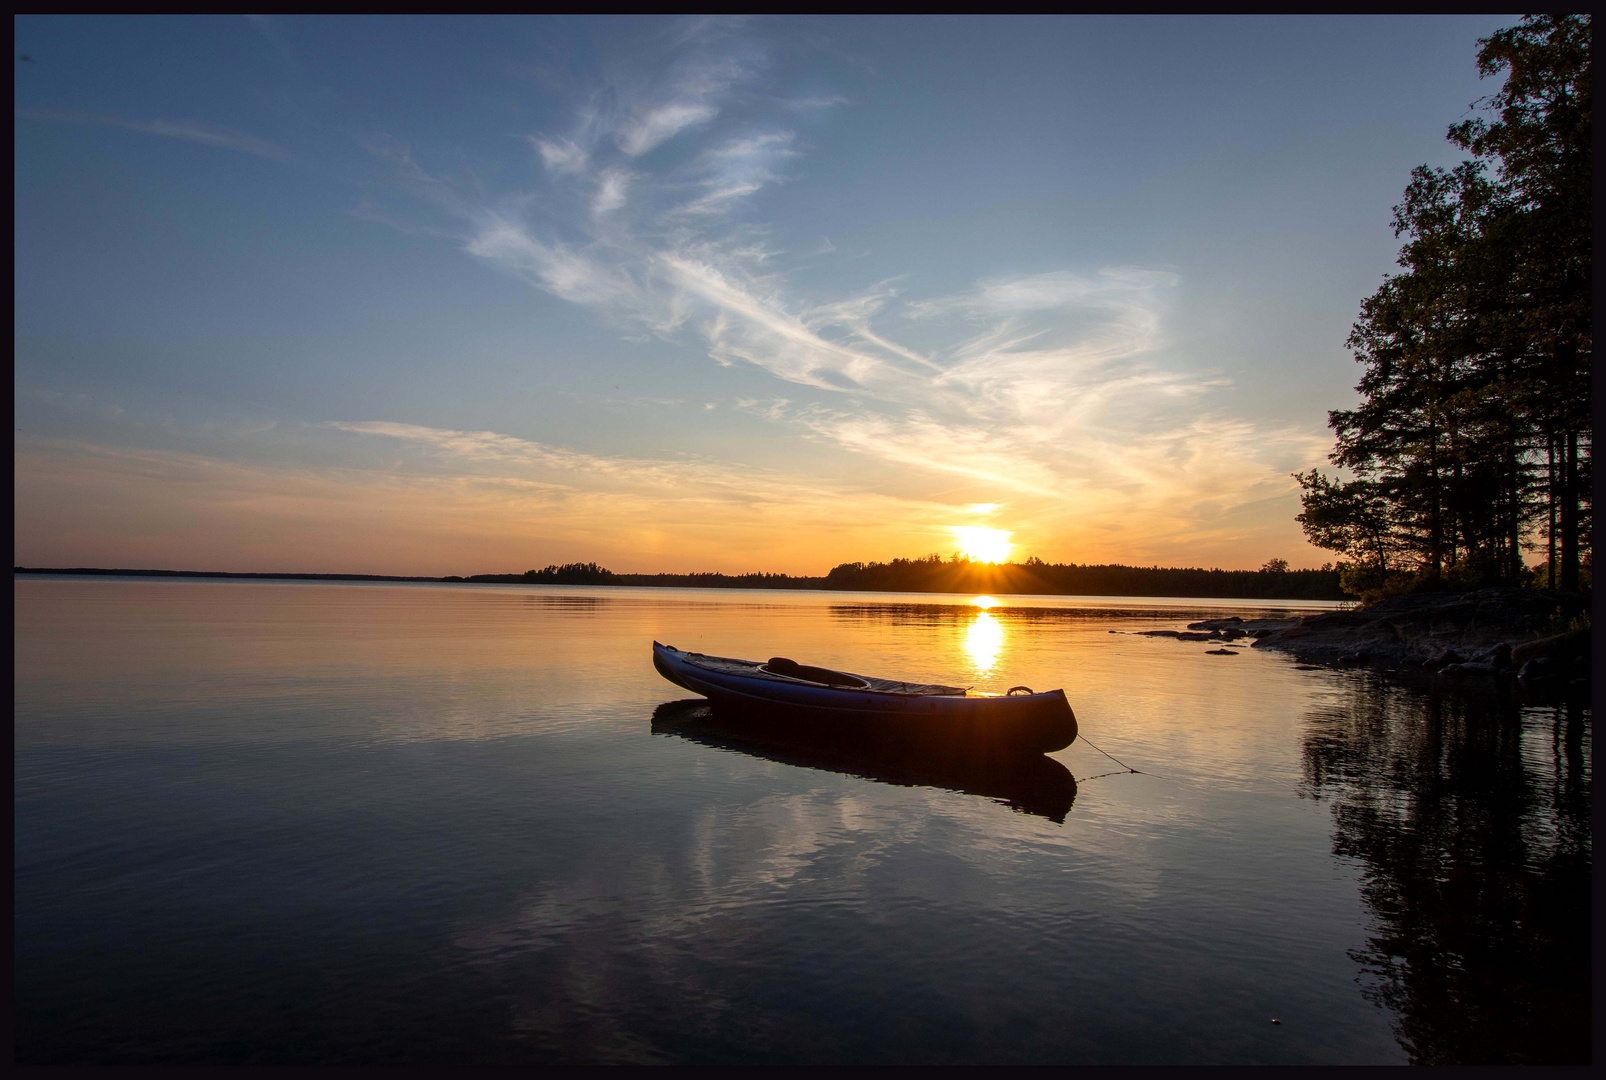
(1475, 423)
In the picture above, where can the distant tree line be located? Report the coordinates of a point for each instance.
(592, 574)
(1274, 581)
(721, 581)
(567, 574)
(1474, 439)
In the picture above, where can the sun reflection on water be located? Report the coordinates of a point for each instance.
(984, 640)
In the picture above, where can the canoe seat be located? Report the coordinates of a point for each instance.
(791, 669)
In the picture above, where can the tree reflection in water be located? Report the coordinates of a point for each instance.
(1469, 814)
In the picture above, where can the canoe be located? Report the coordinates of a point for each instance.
(840, 705)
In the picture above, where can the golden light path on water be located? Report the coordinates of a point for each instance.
(984, 640)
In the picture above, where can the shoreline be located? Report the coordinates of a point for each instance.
(646, 581)
(1527, 634)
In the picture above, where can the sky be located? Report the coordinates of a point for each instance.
(454, 296)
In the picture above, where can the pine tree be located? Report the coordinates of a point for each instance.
(1475, 427)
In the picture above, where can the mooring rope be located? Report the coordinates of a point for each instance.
(1102, 775)
(1119, 762)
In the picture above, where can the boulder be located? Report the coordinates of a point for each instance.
(1541, 667)
(1472, 667)
(1561, 646)
(1248, 626)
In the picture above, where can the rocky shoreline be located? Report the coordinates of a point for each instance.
(1490, 632)
(1487, 632)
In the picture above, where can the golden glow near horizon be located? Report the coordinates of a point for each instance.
(984, 640)
(984, 602)
(984, 545)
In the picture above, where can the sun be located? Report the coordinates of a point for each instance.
(984, 545)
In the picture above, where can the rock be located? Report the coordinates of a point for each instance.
(1563, 646)
(1540, 667)
(1159, 633)
(1445, 659)
(1247, 626)
(1354, 659)
(1232, 633)
(1186, 635)
(1470, 668)
(1306, 667)
(1221, 652)
(1499, 656)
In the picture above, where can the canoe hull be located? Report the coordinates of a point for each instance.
(994, 727)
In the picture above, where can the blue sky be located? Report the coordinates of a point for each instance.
(464, 295)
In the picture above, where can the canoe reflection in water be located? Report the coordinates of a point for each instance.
(1031, 785)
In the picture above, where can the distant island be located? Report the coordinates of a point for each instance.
(931, 574)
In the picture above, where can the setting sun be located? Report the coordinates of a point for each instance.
(984, 545)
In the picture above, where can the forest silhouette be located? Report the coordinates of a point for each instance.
(957, 574)
(1474, 438)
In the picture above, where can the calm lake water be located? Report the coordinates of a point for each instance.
(284, 822)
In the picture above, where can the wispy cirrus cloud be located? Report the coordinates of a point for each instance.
(651, 128)
(1047, 385)
(571, 272)
(687, 95)
(560, 155)
(612, 185)
(187, 130)
(738, 168)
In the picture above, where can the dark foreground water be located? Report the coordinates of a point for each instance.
(270, 822)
